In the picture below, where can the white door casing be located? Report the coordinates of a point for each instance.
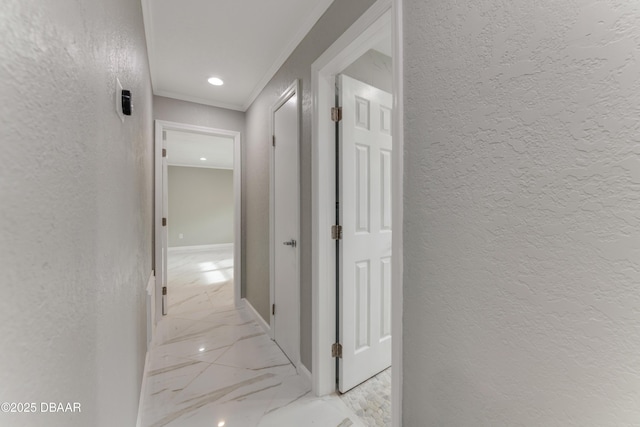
(366, 219)
(161, 199)
(285, 219)
(363, 35)
(165, 228)
(355, 41)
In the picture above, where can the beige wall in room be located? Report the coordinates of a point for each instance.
(521, 220)
(339, 16)
(75, 210)
(201, 203)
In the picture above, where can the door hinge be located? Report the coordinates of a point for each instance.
(336, 350)
(164, 222)
(164, 301)
(164, 152)
(273, 140)
(273, 309)
(336, 114)
(336, 232)
(164, 135)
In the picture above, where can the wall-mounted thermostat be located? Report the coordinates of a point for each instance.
(124, 104)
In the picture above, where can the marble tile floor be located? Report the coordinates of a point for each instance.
(211, 364)
(371, 400)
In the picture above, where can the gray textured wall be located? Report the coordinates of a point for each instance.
(75, 209)
(175, 110)
(339, 16)
(201, 203)
(522, 187)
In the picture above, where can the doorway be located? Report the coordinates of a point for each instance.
(382, 19)
(196, 143)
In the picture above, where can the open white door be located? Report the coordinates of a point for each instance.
(364, 309)
(285, 313)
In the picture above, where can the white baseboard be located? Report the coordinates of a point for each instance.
(200, 247)
(151, 282)
(304, 373)
(143, 391)
(151, 330)
(265, 326)
(151, 308)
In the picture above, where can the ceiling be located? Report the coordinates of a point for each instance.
(243, 42)
(187, 148)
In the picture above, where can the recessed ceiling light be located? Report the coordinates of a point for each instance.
(203, 158)
(215, 81)
(201, 349)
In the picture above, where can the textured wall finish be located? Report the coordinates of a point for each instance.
(331, 25)
(75, 209)
(522, 196)
(201, 206)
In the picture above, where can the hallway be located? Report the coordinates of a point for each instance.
(212, 364)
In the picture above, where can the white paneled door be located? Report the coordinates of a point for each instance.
(285, 315)
(364, 311)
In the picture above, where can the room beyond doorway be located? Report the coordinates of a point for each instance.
(200, 189)
(184, 146)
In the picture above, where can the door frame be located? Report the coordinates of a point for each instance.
(160, 281)
(292, 90)
(360, 37)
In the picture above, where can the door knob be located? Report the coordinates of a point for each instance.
(290, 243)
